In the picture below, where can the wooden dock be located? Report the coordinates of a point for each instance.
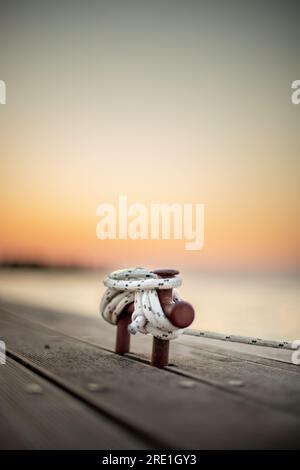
(63, 387)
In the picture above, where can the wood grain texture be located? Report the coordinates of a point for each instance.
(273, 383)
(37, 415)
(157, 404)
(96, 330)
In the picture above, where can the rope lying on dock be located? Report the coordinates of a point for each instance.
(291, 345)
(140, 286)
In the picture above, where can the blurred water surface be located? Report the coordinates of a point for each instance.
(266, 306)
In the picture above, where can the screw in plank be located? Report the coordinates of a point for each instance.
(33, 389)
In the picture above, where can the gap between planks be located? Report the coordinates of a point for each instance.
(171, 368)
(273, 424)
(189, 373)
(37, 414)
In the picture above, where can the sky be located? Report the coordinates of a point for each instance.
(165, 102)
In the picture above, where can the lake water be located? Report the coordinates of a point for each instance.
(263, 306)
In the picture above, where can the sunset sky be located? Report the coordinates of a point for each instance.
(163, 102)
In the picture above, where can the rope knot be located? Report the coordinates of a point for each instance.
(140, 286)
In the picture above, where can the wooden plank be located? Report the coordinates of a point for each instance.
(37, 415)
(269, 382)
(279, 358)
(156, 403)
(97, 331)
(263, 383)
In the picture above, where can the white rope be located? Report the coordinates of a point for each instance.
(140, 286)
(292, 345)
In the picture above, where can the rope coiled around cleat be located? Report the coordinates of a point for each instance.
(140, 286)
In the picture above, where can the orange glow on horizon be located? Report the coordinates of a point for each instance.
(162, 106)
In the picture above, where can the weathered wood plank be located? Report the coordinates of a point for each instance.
(279, 358)
(271, 382)
(95, 330)
(264, 380)
(37, 415)
(152, 401)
